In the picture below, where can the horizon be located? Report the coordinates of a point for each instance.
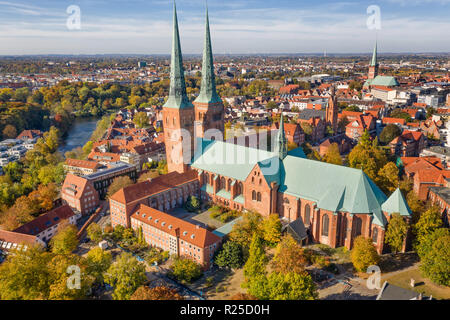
(283, 27)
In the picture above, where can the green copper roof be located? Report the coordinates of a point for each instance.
(386, 81)
(332, 187)
(282, 141)
(397, 204)
(177, 94)
(374, 61)
(208, 93)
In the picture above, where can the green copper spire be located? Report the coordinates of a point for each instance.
(177, 94)
(374, 61)
(282, 142)
(208, 93)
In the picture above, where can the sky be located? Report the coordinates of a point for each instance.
(237, 27)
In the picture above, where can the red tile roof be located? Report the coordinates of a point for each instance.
(16, 238)
(86, 164)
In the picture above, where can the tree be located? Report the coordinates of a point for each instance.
(363, 254)
(126, 274)
(388, 178)
(353, 108)
(390, 132)
(243, 231)
(292, 146)
(65, 241)
(94, 232)
(185, 269)
(119, 183)
(9, 131)
(429, 221)
(396, 232)
(399, 113)
(230, 256)
(255, 269)
(141, 120)
(291, 286)
(289, 256)
(435, 256)
(243, 296)
(156, 293)
(98, 262)
(333, 155)
(192, 204)
(271, 227)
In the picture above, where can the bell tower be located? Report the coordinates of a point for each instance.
(373, 68)
(332, 110)
(178, 111)
(208, 105)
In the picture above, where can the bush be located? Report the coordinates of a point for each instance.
(230, 256)
(192, 204)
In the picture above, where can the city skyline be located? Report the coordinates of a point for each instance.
(284, 27)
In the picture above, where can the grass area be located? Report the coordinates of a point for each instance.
(222, 214)
(220, 284)
(423, 285)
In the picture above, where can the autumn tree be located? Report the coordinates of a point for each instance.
(289, 256)
(363, 254)
(244, 230)
(119, 183)
(396, 232)
(243, 296)
(126, 274)
(141, 120)
(387, 178)
(333, 155)
(230, 256)
(255, 278)
(9, 132)
(65, 241)
(156, 293)
(290, 286)
(271, 229)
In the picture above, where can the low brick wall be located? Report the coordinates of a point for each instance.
(94, 218)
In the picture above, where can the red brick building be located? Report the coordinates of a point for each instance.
(408, 144)
(79, 193)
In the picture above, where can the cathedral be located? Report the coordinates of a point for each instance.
(334, 203)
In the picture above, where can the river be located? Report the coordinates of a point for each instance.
(79, 134)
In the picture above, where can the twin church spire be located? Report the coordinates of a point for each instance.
(178, 98)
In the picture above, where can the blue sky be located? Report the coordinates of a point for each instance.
(252, 26)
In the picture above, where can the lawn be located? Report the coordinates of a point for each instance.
(423, 285)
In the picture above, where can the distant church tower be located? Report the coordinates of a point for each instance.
(178, 111)
(332, 110)
(281, 140)
(373, 68)
(208, 105)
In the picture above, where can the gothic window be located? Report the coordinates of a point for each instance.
(207, 178)
(253, 180)
(258, 197)
(222, 183)
(325, 225)
(375, 235)
(358, 226)
(253, 195)
(307, 214)
(229, 185)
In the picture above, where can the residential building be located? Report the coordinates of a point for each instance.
(79, 193)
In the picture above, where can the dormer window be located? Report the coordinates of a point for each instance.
(192, 236)
(184, 233)
(163, 223)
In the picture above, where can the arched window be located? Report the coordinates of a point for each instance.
(307, 214)
(325, 225)
(375, 235)
(253, 195)
(358, 226)
(229, 185)
(258, 196)
(239, 188)
(222, 183)
(207, 178)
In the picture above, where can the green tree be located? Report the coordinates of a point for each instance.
(244, 230)
(185, 269)
(65, 241)
(126, 274)
(230, 256)
(390, 132)
(98, 262)
(396, 232)
(435, 262)
(192, 204)
(429, 221)
(255, 279)
(399, 113)
(94, 232)
(363, 254)
(291, 286)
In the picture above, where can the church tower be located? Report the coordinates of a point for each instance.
(178, 111)
(208, 105)
(332, 110)
(373, 68)
(282, 141)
